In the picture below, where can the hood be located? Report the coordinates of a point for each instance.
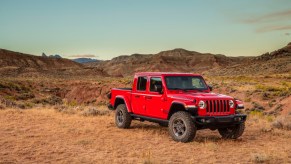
(199, 95)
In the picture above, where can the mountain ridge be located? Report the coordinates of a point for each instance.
(176, 60)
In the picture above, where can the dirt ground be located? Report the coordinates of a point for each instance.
(46, 136)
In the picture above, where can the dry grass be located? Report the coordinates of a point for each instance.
(282, 122)
(76, 132)
(44, 135)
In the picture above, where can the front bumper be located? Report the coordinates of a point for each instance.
(215, 122)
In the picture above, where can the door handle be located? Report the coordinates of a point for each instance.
(136, 96)
(148, 97)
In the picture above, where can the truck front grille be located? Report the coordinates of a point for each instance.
(217, 107)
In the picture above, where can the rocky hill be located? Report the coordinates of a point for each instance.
(19, 64)
(278, 61)
(177, 60)
(181, 60)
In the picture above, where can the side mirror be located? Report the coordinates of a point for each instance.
(210, 87)
(158, 88)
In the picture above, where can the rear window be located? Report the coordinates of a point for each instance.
(141, 83)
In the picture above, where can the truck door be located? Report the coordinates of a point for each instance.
(138, 96)
(154, 100)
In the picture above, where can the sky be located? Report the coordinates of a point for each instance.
(104, 29)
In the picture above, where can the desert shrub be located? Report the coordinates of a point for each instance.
(260, 158)
(101, 103)
(65, 109)
(267, 76)
(257, 106)
(277, 110)
(256, 113)
(270, 91)
(9, 97)
(282, 122)
(72, 103)
(94, 112)
(53, 100)
(21, 106)
(2, 107)
(14, 86)
(268, 88)
(248, 99)
(270, 118)
(25, 96)
(7, 103)
(266, 95)
(28, 105)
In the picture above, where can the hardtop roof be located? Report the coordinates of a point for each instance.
(164, 73)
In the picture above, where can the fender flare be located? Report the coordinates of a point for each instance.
(126, 102)
(178, 102)
(171, 110)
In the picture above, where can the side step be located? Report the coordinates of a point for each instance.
(150, 119)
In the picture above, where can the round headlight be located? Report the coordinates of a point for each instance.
(231, 103)
(202, 104)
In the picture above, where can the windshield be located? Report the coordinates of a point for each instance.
(185, 83)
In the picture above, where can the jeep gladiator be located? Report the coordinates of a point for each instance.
(181, 101)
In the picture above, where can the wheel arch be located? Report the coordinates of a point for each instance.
(121, 100)
(175, 107)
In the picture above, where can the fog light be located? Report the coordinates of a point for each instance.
(208, 121)
(237, 119)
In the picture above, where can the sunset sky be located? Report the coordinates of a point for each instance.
(105, 29)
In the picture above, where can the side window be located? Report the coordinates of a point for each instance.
(155, 81)
(141, 83)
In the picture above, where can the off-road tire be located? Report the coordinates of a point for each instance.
(189, 127)
(232, 132)
(122, 117)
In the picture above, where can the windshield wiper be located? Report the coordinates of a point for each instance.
(187, 89)
(183, 89)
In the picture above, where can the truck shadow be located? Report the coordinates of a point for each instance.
(202, 136)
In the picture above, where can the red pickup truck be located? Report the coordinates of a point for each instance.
(181, 101)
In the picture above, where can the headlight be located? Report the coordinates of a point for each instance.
(231, 103)
(202, 104)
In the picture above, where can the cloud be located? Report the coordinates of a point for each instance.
(274, 28)
(281, 15)
(83, 56)
(276, 21)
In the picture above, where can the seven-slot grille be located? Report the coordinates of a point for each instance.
(217, 106)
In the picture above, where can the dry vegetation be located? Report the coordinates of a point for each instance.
(48, 120)
(44, 135)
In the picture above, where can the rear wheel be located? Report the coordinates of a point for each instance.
(182, 127)
(232, 132)
(122, 117)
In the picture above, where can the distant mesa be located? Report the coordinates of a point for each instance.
(86, 60)
(51, 56)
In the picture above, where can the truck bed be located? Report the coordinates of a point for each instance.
(125, 93)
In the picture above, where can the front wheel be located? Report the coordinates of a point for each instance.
(182, 127)
(122, 117)
(232, 132)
